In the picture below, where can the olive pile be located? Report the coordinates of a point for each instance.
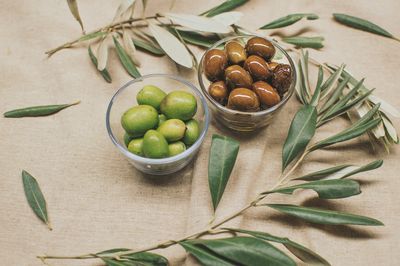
(245, 78)
(162, 125)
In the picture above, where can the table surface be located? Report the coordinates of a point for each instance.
(97, 200)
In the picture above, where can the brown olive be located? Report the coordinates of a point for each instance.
(268, 96)
(261, 47)
(218, 91)
(281, 78)
(243, 99)
(272, 65)
(257, 67)
(236, 76)
(215, 62)
(236, 52)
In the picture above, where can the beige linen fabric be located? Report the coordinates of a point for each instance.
(97, 200)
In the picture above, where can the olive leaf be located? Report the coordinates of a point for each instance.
(42, 110)
(301, 130)
(289, 20)
(303, 253)
(126, 60)
(130, 47)
(340, 171)
(35, 197)
(132, 259)
(203, 255)
(223, 153)
(331, 81)
(198, 39)
(317, 93)
(147, 46)
(104, 73)
(92, 35)
(199, 23)
(305, 42)
(362, 24)
(102, 53)
(305, 90)
(385, 106)
(335, 95)
(389, 128)
(171, 45)
(326, 189)
(228, 5)
(322, 216)
(244, 251)
(228, 18)
(73, 7)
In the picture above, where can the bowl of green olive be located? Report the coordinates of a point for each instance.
(247, 80)
(158, 122)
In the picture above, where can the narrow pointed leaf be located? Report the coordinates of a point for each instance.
(305, 42)
(198, 39)
(148, 47)
(133, 259)
(368, 167)
(92, 35)
(305, 82)
(390, 129)
(104, 73)
(346, 135)
(228, 5)
(223, 153)
(300, 133)
(335, 95)
(385, 106)
(327, 189)
(73, 7)
(303, 253)
(322, 173)
(317, 93)
(228, 18)
(246, 251)
(361, 24)
(102, 53)
(130, 47)
(42, 110)
(172, 46)
(35, 197)
(322, 216)
(126, 60)
(288, 20)
(198, 23)
(204, 255)
(331, 82)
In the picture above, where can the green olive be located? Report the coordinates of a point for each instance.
(161, 119)
(138, 119)
(150, 95)
(136, 146)
(127, 139)
(192, 132)
(176, 148)
(172, 129)
(155, 145)
(179, 104)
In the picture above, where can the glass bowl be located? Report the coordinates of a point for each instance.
(125, 98)
(238, 120)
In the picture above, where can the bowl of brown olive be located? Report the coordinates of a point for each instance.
(247, 80)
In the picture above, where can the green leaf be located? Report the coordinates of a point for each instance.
(335, 96)
(245, 251)
(104, 73)
(361, 24)
(223, 153)
(327, 189)
(126, 60)
(228, 5)
(305, 42)
(368, 167)
(35, 197)
(42, 110)
(317, 93)
(303, 253)
(92, 35)
(148, 47)
(198, 39)
(289, 20)
(331, 81)
(133, 259)
(318, 175)
(198, 23)
(300, 133)
(322, 216)
(346, 135)
(204, 256)
(73, 7)
(304, 80)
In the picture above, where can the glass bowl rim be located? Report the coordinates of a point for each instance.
(235, 112)
(167, 160)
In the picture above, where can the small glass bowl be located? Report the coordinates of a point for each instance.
(238, 120)
(125, 98)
